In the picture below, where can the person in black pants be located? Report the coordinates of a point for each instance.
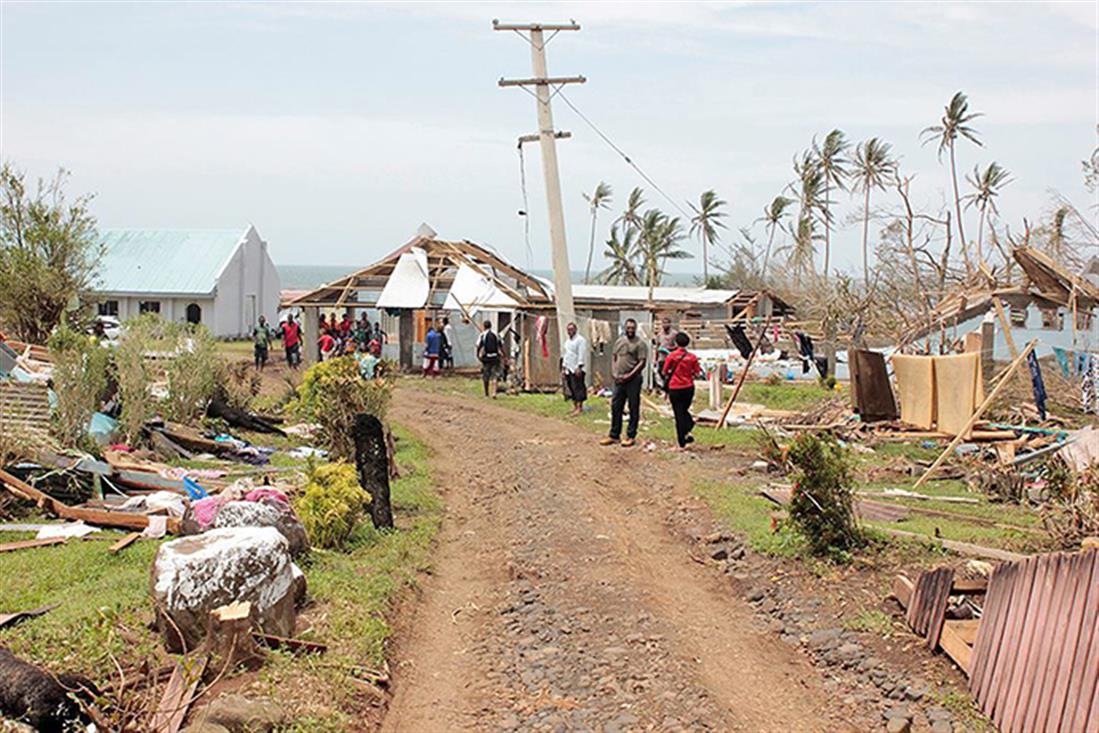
(680, 369)
(629, 358)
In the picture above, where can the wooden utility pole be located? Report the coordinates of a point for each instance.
(534, 33)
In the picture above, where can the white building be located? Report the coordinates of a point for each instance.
(221, 278)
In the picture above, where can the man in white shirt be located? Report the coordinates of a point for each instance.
(574, 359)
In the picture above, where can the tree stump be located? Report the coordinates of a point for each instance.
(372, 464)
(229, 643)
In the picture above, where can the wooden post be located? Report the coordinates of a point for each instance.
(310, 332)
(988, 353)
(977, 413)
(1006, 326)
(715, 389)
(229, 643)
(741, 378)
(372, 464)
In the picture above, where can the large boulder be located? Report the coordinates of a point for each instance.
(262, 514)
(192, 576)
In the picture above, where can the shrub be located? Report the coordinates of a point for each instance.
(332, 394)
(135, 373)
(239, 384)
(80, 378)
(331, 504)
(823, 507)
(193, 373)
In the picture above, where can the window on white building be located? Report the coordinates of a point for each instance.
(148, 306)
(108, 308)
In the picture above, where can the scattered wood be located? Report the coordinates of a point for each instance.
(167, 447)
(962, 548)
(949, 635)
(295, 646)
(240, 418)
(123, 543)
(10, 619)
(172, 709)
(741, 378)
(927, 610)
(31, 544)
(954, 644)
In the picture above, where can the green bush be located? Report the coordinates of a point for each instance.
(331, 394)
(331, 504)
(80, 377)
(134, 373)
(193, 373)
(823, 506)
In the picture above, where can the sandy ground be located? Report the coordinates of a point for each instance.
(561, 601)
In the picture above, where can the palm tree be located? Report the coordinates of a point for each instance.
(987, 185)
(773, 216)
(600, 199)
(954, 123)
(658, 241)
(833, 164)
(873, 168)
(809, 188)
(705, 222)
(631, 217)
(622, 254)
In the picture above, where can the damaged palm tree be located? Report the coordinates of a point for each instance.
(372, 464)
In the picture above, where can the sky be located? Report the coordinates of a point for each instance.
(337, 128)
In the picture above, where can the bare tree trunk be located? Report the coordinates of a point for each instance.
(591, 248)
(865, 241)
(705, 259)
(958, 208)
(767, 254)
(827, 229)
(981, 236)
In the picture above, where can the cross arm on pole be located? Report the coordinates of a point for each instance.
(570, 26)
(536, 138)
(537, 81)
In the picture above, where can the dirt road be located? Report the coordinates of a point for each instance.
(560, 600)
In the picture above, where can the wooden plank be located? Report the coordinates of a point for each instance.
(966, 629)
(31, 544)
(970, 586)
(742, 377)
(902, 590)
(172, 709)
(962, 548)
(1077, 643)
(1005, 326)
(952, 642)
(123, 543)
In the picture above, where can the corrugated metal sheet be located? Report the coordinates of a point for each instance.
(640, 294)
(165, 261)
(1036, 656)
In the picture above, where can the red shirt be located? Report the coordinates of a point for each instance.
(682, 366)
(326, 342)
(291, 334)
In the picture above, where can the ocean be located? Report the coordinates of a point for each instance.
(308, 277)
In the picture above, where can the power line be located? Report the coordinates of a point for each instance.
(622, 152)
(526, 207)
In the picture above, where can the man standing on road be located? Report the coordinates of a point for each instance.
(291, 342)
(261, 338)
(573, 362)
(488, 352)
(629, 357)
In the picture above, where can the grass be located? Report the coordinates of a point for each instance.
(104, 604)
(748, 514)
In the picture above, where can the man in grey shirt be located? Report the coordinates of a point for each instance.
(629, 358)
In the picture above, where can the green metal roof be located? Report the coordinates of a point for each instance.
(165, 261)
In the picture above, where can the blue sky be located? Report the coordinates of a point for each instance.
(337, 128)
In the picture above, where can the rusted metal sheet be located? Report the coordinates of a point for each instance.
(927, 611)
(1036, 656)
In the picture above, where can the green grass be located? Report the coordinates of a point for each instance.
(871, 620)
(794, 396)
(743, 511)
(103, 598)
(97, 594)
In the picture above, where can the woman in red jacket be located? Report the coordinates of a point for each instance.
(680, 369)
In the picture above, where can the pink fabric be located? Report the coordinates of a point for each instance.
(266, 492)
(206, 511)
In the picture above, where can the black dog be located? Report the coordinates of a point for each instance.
(33, 696)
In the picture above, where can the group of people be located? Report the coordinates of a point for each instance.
(676, 370)
(335, 338)
(349, 336)
(439, 353)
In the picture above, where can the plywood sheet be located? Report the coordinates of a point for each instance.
(956, 396)
(915, 388)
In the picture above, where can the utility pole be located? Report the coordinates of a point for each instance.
(562, 275)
